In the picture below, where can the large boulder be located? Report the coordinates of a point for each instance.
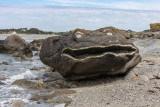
(84, 55)
(12, 44)
(15, 43)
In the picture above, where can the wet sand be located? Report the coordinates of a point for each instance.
(29, 36)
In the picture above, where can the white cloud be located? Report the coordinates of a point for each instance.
(64, 19)
(138, 5)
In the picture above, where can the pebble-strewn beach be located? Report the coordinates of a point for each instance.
(29, 82)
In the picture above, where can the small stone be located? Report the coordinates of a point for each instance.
(36, 54)
(150, 75)
(3, 78)
(1, 83)
(5, 63)
(34, 68)
(151, 91)
(23, 58)
(159, 75)
(49, 101)
(50, 69)
(61, 99)
(15, 91)
(40, 82)
(131, 75)
(144, 78)
(5, 69)
(60, 82)
(38, 102)
(18, 103)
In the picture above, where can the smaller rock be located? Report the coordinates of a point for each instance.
(23, 58)
(151, 91)
(159, 75)
(1, 83)
(5, 69)
(35, 68)
(40, 82)
(60, 82)
(27, 84)
(3, 78)
(50, 69)
(144, 78)
(5, 63)
(15, 91)
(36, 54)
(150, 75)
(18, 103)
(131, 75)
(61, 99)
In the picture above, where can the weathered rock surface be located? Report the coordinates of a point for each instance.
(114, 31)
(15, 43)
(18, 103)
(141, 35)
(81, 55)
(35, 45)
(12, 44)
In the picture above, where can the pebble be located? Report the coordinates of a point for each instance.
(36, 54)
(15, 91)
(60, 82)
(1, 83)
(131, 75)
(34, 68)
(18, 103)
(150, 75)
(159, 75)
(61, 99)
(144, 78)
(5, 63)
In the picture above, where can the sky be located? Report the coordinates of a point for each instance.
(65, 15)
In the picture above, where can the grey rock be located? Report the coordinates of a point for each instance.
(144, 78)
(1, 83)
(5, 63)
(89, 54)
(61, 99)
(12, 44)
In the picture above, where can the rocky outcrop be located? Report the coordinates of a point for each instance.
(82, 55)
(12, 44)
(142, 35)
(35, 45)
(15, 43)
(154, 27)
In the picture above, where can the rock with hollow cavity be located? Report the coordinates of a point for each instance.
(89, 55)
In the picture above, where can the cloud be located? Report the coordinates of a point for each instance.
(117, 4)
(68, 18)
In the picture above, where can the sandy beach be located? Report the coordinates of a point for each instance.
(28, 36)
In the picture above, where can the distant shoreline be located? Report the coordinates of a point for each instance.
(29, 36)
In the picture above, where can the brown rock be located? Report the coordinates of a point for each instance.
(18, 103)
(89, 54)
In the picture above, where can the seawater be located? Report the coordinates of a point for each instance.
(14, 71)
(19, 70)
(27, 40)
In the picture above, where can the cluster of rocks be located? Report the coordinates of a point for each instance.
(142, 35)
(16, 45)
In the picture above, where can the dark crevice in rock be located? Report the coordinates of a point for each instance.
(94, 51)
